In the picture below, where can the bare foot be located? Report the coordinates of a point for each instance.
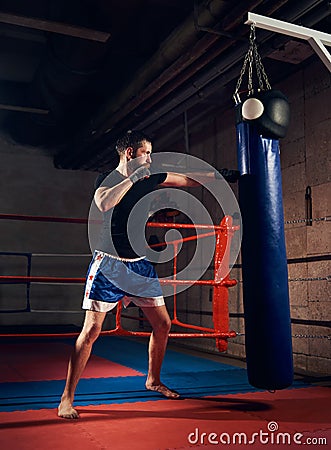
(66, 410)
(162, 389)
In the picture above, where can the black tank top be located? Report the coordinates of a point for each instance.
(114, 238)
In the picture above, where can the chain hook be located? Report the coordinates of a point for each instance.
(252, 58)
(252, 34)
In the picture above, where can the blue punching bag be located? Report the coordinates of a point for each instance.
(264, 264)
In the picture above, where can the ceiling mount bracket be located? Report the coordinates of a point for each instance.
(317, 39)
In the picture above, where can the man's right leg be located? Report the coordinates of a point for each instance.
(78, 360)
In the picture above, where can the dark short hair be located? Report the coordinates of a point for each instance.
(131, 138)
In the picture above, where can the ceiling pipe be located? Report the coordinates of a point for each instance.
(202, 49)
(233, 62)
(157, 71)
(179, 41)
(195, 59)
(228, 23)
(200, 63)
(224, 79)
(195, 89)
(202, 80)
(231, 22)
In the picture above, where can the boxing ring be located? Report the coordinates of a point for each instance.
(220, 283)
(111, 393)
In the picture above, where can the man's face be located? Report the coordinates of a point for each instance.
(144, 153)
(140, 157)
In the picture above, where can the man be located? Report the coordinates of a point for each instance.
(130, 182)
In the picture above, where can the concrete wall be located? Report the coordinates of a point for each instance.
(305, 159)
(30, 185)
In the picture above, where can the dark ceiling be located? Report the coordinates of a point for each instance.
(75, 74)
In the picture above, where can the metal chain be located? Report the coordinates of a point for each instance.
(261, 75)
(242, 72)
(317, 219)
(301, 336)
(312, 336)
(248, 60)
(327, 278)
(253, 56)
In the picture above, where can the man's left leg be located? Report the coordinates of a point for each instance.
(160, 321)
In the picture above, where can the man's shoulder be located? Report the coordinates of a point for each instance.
(108, 179)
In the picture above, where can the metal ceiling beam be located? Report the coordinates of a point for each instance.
(27, 109)
(317, 39)
(54, 27)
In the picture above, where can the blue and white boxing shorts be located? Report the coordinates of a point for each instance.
(111, 279)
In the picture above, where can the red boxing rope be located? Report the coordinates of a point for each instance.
(42, 218)
(224, 233)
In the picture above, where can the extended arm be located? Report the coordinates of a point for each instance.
(178, 180)
(193, 179)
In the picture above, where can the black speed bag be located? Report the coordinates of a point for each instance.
(269, 111)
